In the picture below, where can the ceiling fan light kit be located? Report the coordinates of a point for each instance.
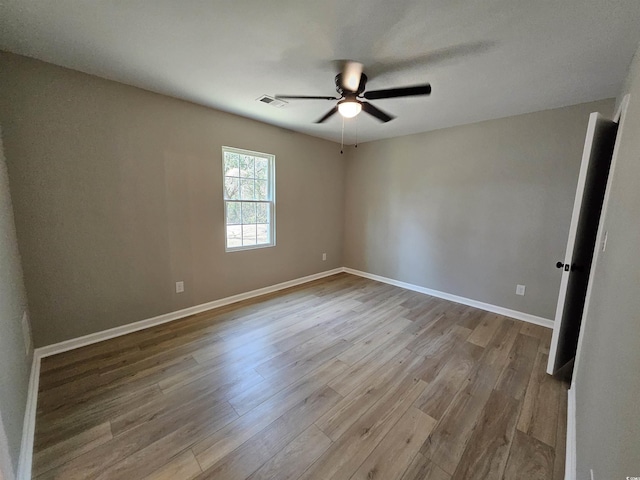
(349, 108)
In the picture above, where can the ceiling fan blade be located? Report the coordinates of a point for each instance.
(446, 55)
(304, 97)
(376, 112)
(351, 74)
(328, 114)
(398, 92)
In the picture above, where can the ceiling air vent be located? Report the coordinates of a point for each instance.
(274, 102)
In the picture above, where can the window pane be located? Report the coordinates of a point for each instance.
(231, 163)
(248, 235)
(262, 213)
(262, 165)
(234, 236)
(247, 191)
(233, 213)
(231, 188)
(248, 213)
(262, 231)
(247, 166)
(261, 191)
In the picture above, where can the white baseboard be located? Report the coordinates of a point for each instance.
(570, 460)
(171, 316)
(26, 453)
(526, 317)
(28, 430)
(29, 424)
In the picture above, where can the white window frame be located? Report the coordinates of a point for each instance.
(271, 177)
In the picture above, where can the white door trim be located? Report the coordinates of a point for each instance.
(570, 453)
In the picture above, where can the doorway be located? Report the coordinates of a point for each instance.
(583, 242)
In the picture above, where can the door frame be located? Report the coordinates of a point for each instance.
(597, 132)
(619, 118)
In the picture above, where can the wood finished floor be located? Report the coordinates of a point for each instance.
(342, 378)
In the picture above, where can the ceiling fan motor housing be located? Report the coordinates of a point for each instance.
(345, 93)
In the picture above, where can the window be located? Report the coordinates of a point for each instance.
(249, 199)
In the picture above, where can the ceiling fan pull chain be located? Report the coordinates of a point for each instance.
(356, 132)
(342, 140)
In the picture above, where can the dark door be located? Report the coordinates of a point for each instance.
(592, 182)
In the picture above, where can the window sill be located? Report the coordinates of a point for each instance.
(248, 247)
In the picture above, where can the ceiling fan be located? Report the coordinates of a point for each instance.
(351, 84)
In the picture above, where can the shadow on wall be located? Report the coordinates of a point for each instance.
(6, 470)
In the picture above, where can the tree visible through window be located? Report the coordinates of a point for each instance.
(249, 198)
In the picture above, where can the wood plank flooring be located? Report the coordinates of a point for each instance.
(342, 378)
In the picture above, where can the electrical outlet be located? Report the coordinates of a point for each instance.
(520, 289)
(324, 257)
(26, 332)
(179, 287)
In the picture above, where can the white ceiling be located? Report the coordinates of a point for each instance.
(484, 59)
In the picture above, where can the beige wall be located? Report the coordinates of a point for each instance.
(470, 210)
(6, 462)
(607, 382)
(14, 361)
(118, 195)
